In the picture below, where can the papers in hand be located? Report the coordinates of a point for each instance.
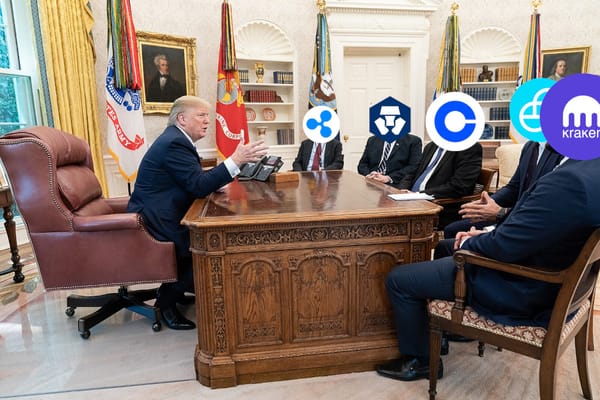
(410, 196)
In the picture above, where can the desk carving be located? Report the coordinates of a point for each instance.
(293, 292)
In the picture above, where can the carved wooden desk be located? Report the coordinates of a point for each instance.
(290, 277)
(6, 202)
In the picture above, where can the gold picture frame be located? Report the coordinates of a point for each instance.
(576, 60)
(179, 53)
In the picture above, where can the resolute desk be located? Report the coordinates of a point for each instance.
(290, 277)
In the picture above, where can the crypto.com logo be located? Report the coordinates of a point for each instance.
(455, 121)
(389, 119)
(570, 116)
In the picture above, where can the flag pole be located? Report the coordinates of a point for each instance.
(322, 4)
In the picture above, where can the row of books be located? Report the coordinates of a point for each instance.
(501, 132)
(468, 75)
(499, 113)
(243, 74)
(283, 77)
(261, 96)
(481, 93)
(507, 73)
(285, 136)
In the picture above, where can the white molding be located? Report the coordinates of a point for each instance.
(490, 44)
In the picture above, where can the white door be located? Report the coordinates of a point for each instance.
(370, 75)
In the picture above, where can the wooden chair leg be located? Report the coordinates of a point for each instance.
(547, 375)
(480, 348)
(435, 348)
(582, 361)
(590, 345)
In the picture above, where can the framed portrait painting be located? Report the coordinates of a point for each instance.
(559, 63)
(168, 67)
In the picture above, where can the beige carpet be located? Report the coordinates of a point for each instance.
(15, 295)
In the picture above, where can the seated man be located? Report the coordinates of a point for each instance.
(533, 164)
(548, 227)
(443, 173)
(390, 162)
(310, 157)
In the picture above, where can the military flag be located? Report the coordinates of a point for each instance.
(449, 67)
(321, 91)
(532, 66)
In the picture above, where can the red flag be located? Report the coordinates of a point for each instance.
(232, 125)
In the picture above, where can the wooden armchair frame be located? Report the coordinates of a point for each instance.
(484, 182)
(575, 296)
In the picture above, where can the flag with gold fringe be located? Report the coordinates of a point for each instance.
(449, 66)
(321, 91)
(532, 66)
(126, 135)
(232, 125)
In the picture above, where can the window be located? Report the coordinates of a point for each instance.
(18, 67)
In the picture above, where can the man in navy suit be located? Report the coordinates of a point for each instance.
(333, 159)
(537, 159)
(402, 159)
(547, 227)
(170, 178)
(442, 173)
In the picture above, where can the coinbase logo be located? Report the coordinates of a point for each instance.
(525, 108)
(570, 116)
(455, 121)
(321, 124)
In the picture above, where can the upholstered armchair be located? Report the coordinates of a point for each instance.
(569, 320)
(81, 239)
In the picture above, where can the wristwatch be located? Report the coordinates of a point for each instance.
(501, 214)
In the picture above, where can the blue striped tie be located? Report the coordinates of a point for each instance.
(431, 166)
(387, 148)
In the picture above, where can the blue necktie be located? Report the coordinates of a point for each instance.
(387, 149)
(431, 166)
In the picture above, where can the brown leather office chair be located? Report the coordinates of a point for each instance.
(575, 296)
(484, 182)
(81, 239)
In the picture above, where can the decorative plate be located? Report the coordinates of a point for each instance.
(250, 114)
(504, 93)
(268, 114)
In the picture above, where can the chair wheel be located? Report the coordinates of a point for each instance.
(70, 311)
(157, 326)
(85, 334)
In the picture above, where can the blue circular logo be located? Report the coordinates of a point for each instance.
(525, 107)
(570, 116)
(455, 121)
(321, 124)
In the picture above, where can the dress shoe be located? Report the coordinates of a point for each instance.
(407, 368)
(174, 320)
(186, 300)
(457, 338)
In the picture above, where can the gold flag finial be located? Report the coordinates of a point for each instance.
(454, 8)
(322, 4)
(536, 4)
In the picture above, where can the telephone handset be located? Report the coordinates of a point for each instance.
(260, 170)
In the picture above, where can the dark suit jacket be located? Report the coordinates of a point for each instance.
(169, 179)
(334, 159)
(170, 92)
(455, 174)
(508, 195)
(403, 158)
(547, 227)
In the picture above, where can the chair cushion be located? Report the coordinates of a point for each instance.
(533, 335)
(78, 185)
(508, 159)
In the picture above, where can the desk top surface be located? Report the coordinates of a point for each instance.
(315, 196)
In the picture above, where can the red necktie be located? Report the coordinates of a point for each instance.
(316, 164)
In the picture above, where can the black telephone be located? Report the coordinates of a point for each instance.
(260, 170)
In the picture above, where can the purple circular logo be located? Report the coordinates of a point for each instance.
(570, 116)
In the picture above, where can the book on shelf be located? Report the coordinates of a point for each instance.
(467, 75)
(286, 77)
(243, 74)
(507, 73)
(483, 93)
(502, 132)
(261, 96)
(499, 113)
(285, 136)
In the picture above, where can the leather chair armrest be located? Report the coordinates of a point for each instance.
(118, 204)
(109, 222)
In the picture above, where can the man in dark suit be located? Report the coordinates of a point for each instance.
(163, 87)
(310, 156)
(536, 160)
(443, 173)
(170, 178)
(548, 227)
(390, 167)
